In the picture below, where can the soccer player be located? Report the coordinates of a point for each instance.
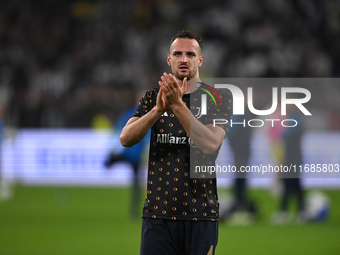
(180, 213)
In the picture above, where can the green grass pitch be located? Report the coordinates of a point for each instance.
(72, 221)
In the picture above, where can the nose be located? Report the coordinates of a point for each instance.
(184, 59)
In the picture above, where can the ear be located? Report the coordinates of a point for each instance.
(168, 60)
(200, 61)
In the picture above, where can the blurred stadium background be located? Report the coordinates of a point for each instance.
(69, 68)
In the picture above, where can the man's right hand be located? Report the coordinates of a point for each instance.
(161, 104)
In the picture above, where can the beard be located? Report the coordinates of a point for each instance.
(181, 77)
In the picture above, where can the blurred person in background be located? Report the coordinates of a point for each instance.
(292, 186)
(1, 138)
(5, 183)
(243, 210)
(132, 155)
(180, 214)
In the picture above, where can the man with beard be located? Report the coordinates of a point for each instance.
(180, 212)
